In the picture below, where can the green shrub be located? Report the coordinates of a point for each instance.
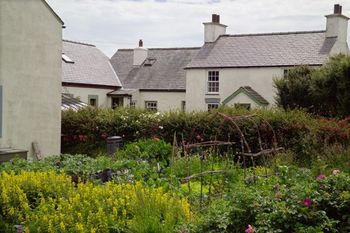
(293, 201)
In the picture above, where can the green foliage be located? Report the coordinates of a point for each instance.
(50, 202)
(323, 91)
(293, 201)
(294, 130)
(152, 150)
(293, 92)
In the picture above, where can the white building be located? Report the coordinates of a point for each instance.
(239, 69)
(30, 77)
(152, 78)
(227, 70)
(88, 74)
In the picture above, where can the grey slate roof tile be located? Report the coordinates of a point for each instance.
(263, 50)
(256, 95)
(166, 72)
(90, 65)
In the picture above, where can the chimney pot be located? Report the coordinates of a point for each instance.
(337, 9)
(215, 18)
(140, 43)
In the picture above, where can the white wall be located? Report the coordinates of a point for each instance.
(243, 99)
(167, 101)
(260, 79)
(30, 75)
(83, 94)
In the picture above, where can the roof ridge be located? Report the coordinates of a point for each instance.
(76, 42)
(273, 33)
(174, 48)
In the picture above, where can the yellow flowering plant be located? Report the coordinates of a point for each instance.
(50, 202)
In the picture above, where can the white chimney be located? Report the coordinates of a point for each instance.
(214, 29)
(140, 54)
(337, 26)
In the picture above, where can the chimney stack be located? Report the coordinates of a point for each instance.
(213, 29)
(140, 54)
(337, 26)
(337, 9)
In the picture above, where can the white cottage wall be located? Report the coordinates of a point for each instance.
(30, 76)
(166, 101)
(83, 94)
(230, 79)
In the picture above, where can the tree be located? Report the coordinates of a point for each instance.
(324, 91)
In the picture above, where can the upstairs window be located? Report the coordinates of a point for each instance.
(213, 81)
(151, 105)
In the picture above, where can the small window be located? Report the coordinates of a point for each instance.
(243, 106)
(183, 106)
(212, 106)
(151, 105)
(150, 61)
(66, 59)
(93, 100)
(213, 81)
(285, 73)
(132, 104)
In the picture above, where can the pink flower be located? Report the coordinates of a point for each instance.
(321, 177)
(307, 202)
(335, 172)
(249, 229)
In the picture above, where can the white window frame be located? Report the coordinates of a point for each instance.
(151, 105)
(213, 82)
(212, 106)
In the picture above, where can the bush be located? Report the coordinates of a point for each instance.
(323, 91)
(294, 130)
(292, 201)
(50, 202)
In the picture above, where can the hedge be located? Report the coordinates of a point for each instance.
(86, 130)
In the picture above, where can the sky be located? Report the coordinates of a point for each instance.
(117, 24)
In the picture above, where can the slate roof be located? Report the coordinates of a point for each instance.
(265, 50)
(166, 72)
(250, 92)
(90, 65)
(69, 102)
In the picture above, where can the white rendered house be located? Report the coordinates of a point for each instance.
(152, 78)
(30, 77)
(238, 70)
(88, 74)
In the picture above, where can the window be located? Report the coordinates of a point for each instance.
(285, 73)
(93, 100)
(117, 102)
(66, 59)
(132, 103)
(183, 106)
(212, 106)
(213, 81)
(151, 105)
(243, 106)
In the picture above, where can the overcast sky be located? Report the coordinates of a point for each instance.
(114, 24)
